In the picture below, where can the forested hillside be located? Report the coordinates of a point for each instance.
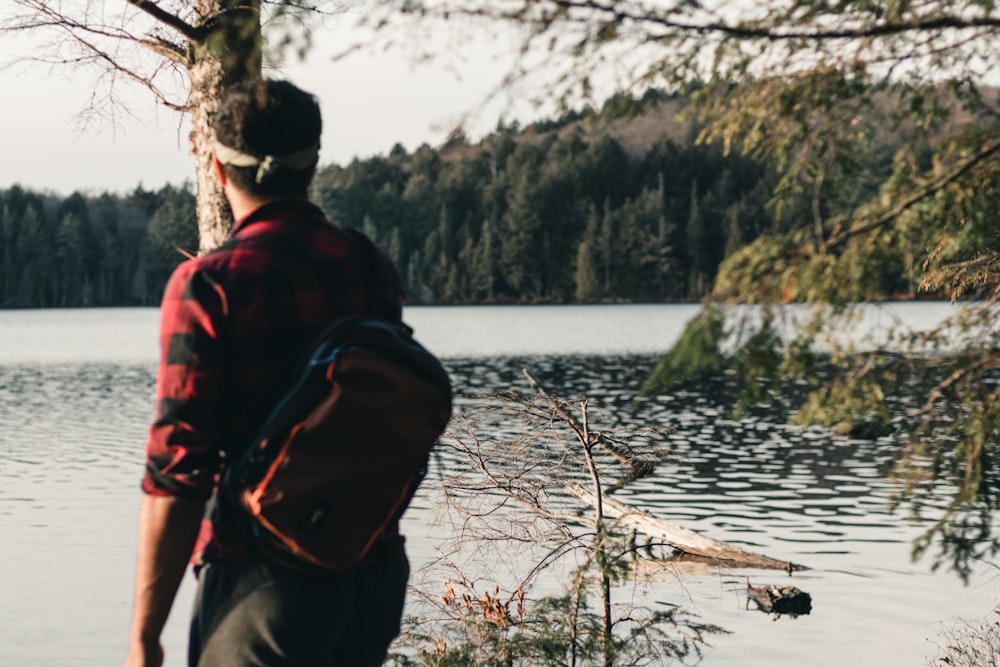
(613, 204)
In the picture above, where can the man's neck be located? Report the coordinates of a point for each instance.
(244, 203)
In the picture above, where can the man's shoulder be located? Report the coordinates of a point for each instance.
(288, 228)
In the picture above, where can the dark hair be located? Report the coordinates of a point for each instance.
(260, 118)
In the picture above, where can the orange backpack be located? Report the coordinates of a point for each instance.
(341, 456)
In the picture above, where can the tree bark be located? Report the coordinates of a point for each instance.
(214, 217)
(227, 50)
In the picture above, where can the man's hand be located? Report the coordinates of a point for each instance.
(145, 656)
(168, 530)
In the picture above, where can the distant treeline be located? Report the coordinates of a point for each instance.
(107, 250)
(591, 206)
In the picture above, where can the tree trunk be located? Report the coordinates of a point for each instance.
(214, 217)
(229, 51)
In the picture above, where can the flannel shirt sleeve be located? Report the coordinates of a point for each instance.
(182, 453)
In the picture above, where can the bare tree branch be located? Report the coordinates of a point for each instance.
(143, 80)
(589, 12)
(195, 34)
(156, 44)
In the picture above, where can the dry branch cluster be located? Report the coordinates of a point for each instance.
(534, 573)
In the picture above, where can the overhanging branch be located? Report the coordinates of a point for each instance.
(934, 186)
(590, 13)
(170, 20)
(880, 30)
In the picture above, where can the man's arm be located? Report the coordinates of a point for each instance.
(182, 456)
(168, 529)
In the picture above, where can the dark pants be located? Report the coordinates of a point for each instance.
(252, 612)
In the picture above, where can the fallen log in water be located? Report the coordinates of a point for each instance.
(688, 542)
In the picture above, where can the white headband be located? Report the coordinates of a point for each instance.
(297, 161)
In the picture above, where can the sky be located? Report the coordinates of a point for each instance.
(371, 100)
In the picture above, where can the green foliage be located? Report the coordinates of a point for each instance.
(696, 351)
(747, 346)
(935, 394)
(754, 362)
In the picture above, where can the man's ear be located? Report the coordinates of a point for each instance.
(220, 170)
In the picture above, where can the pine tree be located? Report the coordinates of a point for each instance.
(587, 285)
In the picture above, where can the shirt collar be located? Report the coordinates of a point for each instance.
(280, 210)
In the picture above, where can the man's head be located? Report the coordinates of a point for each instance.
(267, 137)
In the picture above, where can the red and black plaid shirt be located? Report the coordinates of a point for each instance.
(235, 325)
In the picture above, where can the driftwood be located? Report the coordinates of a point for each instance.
(689, 543)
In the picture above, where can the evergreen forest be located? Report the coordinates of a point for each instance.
(619, 203)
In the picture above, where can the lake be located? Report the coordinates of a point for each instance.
(76, 398)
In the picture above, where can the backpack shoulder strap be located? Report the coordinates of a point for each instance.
(384, 295)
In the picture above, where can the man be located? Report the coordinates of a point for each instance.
(234, 325)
